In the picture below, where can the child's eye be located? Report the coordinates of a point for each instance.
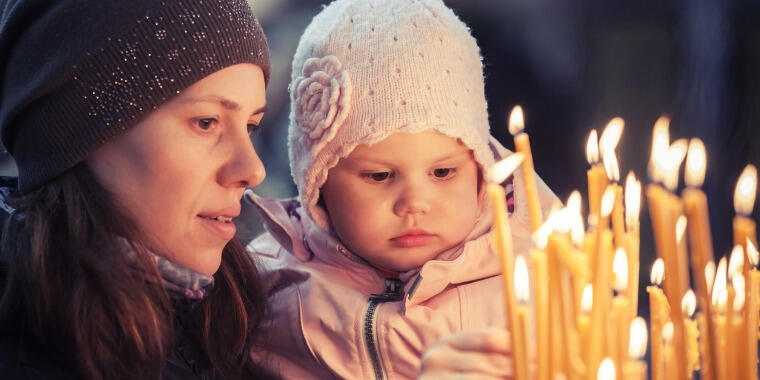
(377, 176)
(443, 172)
(206, 123)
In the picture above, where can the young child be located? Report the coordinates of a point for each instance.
(387, 247)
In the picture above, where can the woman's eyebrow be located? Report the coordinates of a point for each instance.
(224, 102)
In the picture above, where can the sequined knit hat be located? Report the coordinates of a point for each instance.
(365, 69)
(74, 74)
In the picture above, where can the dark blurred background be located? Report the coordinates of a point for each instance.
(573, 65)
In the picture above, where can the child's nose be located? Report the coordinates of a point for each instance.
(413, 200)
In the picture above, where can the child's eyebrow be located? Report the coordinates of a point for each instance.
(454, 156)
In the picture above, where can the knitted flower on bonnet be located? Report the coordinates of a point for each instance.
(366, 69)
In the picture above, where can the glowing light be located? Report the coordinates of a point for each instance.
(606, 370)
(620, 269)
(637, 344)
(660, 146)
(710, 274)
(752, 254)
(611, 167)
(719, 291)
(670, 166)
(680, 228)
(658, 272)
(746, 187)
(608, 201)
(611, 134)
(592, 148)
(516, 121)
(689, 304)
(522, 288)
(502, 169)
(696, 163)
(667, 331)
(740, 292)
(587, 299)
(736, 261)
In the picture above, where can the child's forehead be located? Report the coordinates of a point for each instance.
(420, 146)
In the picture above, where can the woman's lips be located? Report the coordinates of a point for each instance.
(224, 229)
(412, 239)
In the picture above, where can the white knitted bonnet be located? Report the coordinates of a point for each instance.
(365, 69)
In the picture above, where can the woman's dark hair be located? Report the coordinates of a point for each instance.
(72, 291)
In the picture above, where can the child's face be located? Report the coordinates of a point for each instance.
(404, 200)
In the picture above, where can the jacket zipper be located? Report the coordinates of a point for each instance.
(393, 292)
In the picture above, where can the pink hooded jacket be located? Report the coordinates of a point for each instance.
(332, 315)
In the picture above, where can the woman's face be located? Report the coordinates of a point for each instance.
(181, 172)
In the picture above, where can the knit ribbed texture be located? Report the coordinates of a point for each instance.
(75, 75)
(365, 69)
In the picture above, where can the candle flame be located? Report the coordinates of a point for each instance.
(587, 299)
(736, 261)
(658, 272)
(660, 144)
(689, 304)
(710, 274)
(516, 121)
(611, 134)
(577, 233)
(719, 291)
(522, 289)
(738, 283)
(541, 236)
(620, 269)
(637, 344)
(680, 227)
(606, 370)
(632, 200)
(670, 166)
(574, 202)
(752, 254)
(608, 201)
(592, 148)
(696, 162)
(744, 195)
(667, 331)
(502, 169)
(611, 165)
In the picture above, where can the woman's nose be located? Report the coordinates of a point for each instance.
(244, 168)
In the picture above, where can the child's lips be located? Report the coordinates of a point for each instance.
(412, 238)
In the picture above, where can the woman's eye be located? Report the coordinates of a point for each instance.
(443, 172)
(377, 176)
(205, 123)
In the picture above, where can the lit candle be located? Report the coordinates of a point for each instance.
(695, 206)
(688, 307)
(658, 315)
(636, 367)
(671, 368)
(597, 179)
(584, 319)
(737, 327)
(503, 245)
(632, 209)
(752, 311)
(744, 201)
(606, 370)
(522, 293)
(608, 142)
(719, 298)
(541, 290)
(601, 305)
(522, 145)
(734, 317)
(620, 308)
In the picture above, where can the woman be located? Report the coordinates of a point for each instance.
(129, 124)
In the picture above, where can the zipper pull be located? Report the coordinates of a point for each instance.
(394, 290)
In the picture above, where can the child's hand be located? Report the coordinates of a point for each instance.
(475, 354)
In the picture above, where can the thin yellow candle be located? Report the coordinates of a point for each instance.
(522, 145)
(620, 308)
(636, 368)
(752, 311)
(719, 299)
(695, 207)
(597, 179)
(632, 209)
(658, 315)
(601, 283)
(584, 319)
(671, 367)
(559, 334)
(541, 289)
(522, 294)
(737, 326)
(688, 307)
(744, 201)
(503, 246)
(607, 143)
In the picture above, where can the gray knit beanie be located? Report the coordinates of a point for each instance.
(74, 74)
